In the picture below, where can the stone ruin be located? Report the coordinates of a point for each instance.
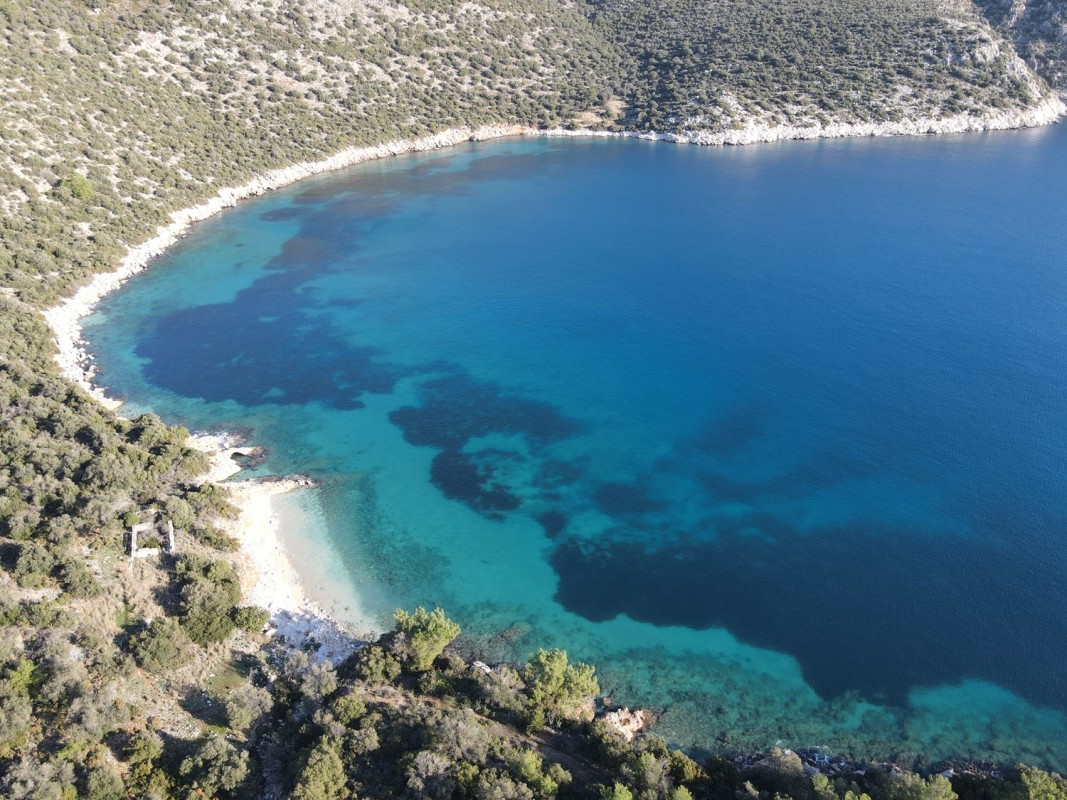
(164, 530)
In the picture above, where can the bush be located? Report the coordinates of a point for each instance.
(558, 689)
(251, 618)
(161, 646)
(426, 634)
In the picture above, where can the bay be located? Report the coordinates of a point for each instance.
(773, 435)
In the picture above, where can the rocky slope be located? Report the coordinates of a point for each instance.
(709, 67)
(1038, 29)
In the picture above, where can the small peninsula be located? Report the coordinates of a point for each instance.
(155, 641)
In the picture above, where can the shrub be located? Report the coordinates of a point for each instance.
(161, 646)
(557, 688)
(426, 634)
(251, 618)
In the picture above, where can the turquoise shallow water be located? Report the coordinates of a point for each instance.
(774, 435)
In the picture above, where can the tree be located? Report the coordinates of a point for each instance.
(557, 688)
(323, 776)
(650, 776)
(374, 664)
(33, 565)
(616, 792)
(528, 767)
(245, 704)
(909, 786)
(162, 646)
(210, 590)
(217, 766)
(348, 709)
(1041, 785)
(430, 776)
(145, 778)
(103, 783)
(426, 634)
(78, 186)
(206, 612)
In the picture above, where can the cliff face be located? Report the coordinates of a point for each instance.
(1038, 29)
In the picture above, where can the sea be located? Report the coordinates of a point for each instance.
(775, 435)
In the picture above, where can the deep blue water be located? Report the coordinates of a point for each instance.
(775, 435)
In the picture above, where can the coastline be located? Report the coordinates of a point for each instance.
(1047, 112)
(65, 318)
(268, 576)
(272, 579)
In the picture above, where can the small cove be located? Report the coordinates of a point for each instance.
(774, 435)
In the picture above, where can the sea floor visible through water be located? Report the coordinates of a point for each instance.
(773, 435)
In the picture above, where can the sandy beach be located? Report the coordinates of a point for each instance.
(268, 577)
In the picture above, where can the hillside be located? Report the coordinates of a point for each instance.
(1038, 29)
(707, 67)
(153, 681)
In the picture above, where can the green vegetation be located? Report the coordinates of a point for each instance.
(713, 65)
(558, 689)
(425, 635)
(162, 646)
(147, 678)
(1038, 28)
